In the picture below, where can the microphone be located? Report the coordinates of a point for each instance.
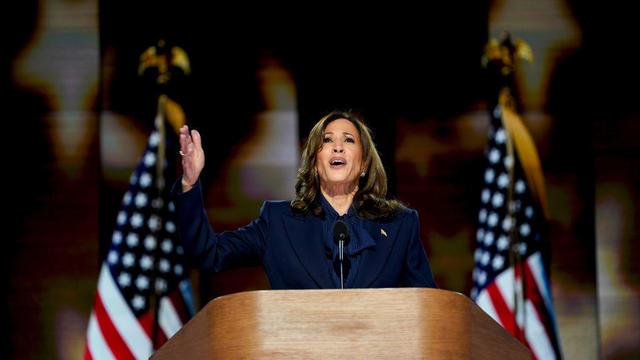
(341, 237)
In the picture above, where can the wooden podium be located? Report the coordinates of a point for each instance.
(406, 323)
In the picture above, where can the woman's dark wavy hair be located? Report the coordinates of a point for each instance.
(370, 200)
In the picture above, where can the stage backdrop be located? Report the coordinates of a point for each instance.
(79, 115)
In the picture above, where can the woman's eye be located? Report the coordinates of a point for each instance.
(350, 140)
(326, 140)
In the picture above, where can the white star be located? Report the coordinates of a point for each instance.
(525, 229)
(503, 180)
(508, 162)
(520, 187)
(477, 255)
(474, 292)
(145, 180)
(141, 199)
(485, 196)
(506, 223)
(494, 155)
(488, 238)
(482, 277)
(167, 246)
(528, 212)
(149, 159)
(113, 257)
(164, 265)
(150, 242)
(132, 239)
(133, 178)
(500, 136)
(126, 199)
(154, 139)
(497, 200)
(482, 215)
(128, 259)
(172, 207)
(154, 223)
(170, 227)
(136, 220)
(122, 218)
(503, 243)
(492, 220)
(161, 285)
(146, 262)
(489, 174)
(142, 282)
(138, 302)
(178, 270)
(117, 237)
(522, 247)
(497, 262)
(124, 279)
(485, 258)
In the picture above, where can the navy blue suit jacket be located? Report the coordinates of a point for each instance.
(290, 248)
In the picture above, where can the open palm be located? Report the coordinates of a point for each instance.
(192, 157)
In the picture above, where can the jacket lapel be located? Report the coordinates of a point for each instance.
(374, 260)
(305, 235)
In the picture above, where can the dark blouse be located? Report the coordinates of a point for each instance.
(360, 241)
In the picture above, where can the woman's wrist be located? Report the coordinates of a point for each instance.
(186, 186)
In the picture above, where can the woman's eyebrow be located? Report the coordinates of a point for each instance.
(344, 133)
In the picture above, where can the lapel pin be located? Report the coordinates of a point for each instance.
(382, 232)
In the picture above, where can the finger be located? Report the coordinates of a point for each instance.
(185, 138)
(197, 140)
(183, 143)
(184, 130)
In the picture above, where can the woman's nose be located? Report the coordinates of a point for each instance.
(338, 149)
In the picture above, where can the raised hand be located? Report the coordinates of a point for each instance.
(192, 157)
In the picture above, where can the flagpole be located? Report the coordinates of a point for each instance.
(161, 57)
(160, 184)
(505, 102)
(157, 58)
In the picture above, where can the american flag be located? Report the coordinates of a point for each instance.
(509, 277)
(143, 276)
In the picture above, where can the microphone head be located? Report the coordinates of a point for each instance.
(340, 232)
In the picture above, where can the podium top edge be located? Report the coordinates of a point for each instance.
(407, 290)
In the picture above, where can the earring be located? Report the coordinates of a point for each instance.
(363, 174)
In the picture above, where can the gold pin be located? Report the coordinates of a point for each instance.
(382, 232)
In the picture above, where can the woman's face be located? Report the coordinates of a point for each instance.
(339, 161)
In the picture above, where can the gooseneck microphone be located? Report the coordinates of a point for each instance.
(341, 238)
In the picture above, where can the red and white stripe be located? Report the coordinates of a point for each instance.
(498, 300)
(114, 332)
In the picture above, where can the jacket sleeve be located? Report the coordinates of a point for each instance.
(417, 271)
(213, 251)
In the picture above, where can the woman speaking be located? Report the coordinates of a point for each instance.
(340, 230)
